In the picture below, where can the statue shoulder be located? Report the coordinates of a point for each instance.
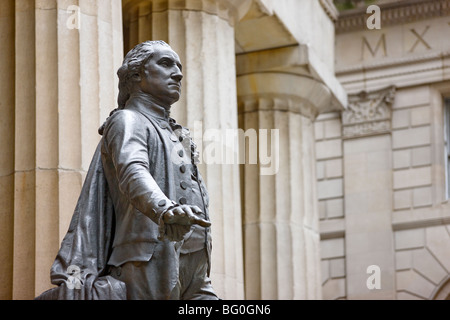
(125, 120)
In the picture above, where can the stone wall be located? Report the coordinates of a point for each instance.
(385, 160)
(330, 187)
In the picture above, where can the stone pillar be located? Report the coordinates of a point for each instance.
(368, 195)
(281, 221)
(64, 55)
(202, 34)
(6, 147)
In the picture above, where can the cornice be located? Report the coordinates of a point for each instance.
(393, 14)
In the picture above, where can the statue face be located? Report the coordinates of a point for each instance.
(161, 76)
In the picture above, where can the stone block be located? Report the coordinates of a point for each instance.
(412, 178)
(334, 289)
(409, 239)
(421, 156)
(403, 260)
(337, 268)
(402, 159)
(333, 168)
(319, 130)
(328, 149)
(335, 208)
(402, 199)
(329, 189)
(325, 267)
(409, 97)
(332, 226)
(322, 210)
(367, 145)
(422, 197)
(332, 248)
(438, 242)
(400, 119)
(333, 128)
(414, 283)
(420, 116)
(428, 266)
(407, 138)
(407, 296)
(320, 170)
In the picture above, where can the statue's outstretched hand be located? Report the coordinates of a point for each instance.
(185, 215)
(177, 222)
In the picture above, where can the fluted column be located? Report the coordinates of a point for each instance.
(7, 18)
(62, 75)
(202, 34)
(281, 222)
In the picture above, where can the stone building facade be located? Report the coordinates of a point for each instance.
(382, 164)
(355, 190)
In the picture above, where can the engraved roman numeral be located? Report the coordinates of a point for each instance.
(420, 39)
(381, 43)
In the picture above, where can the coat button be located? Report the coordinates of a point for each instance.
(162, 203)
(173, 138)
(183, 185)
(181, 153)
(183, 168)
(163, 125)
(182, 200)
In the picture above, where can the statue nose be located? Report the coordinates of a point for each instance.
(177, 76)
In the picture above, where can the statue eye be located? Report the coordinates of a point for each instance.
(165, 63)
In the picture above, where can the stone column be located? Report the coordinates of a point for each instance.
(6, 147)
(202, 33)
(281, 221)
(64, 55)
(368, 195)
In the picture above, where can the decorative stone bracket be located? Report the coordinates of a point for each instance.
(368, 113)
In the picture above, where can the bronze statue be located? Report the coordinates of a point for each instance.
(141, 226)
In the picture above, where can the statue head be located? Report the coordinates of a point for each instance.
(153, 68)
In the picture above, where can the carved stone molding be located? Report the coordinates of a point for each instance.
(399, 12)
(281, 91)
(230, 10)
(368, 113)
(330, 9)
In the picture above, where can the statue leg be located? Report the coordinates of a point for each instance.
(195, 284)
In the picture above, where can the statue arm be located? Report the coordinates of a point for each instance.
(126, 142)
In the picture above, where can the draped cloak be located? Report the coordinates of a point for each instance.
(87, 244)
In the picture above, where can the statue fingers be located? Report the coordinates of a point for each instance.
(201, 222)
(169, 217)
(196, 210)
